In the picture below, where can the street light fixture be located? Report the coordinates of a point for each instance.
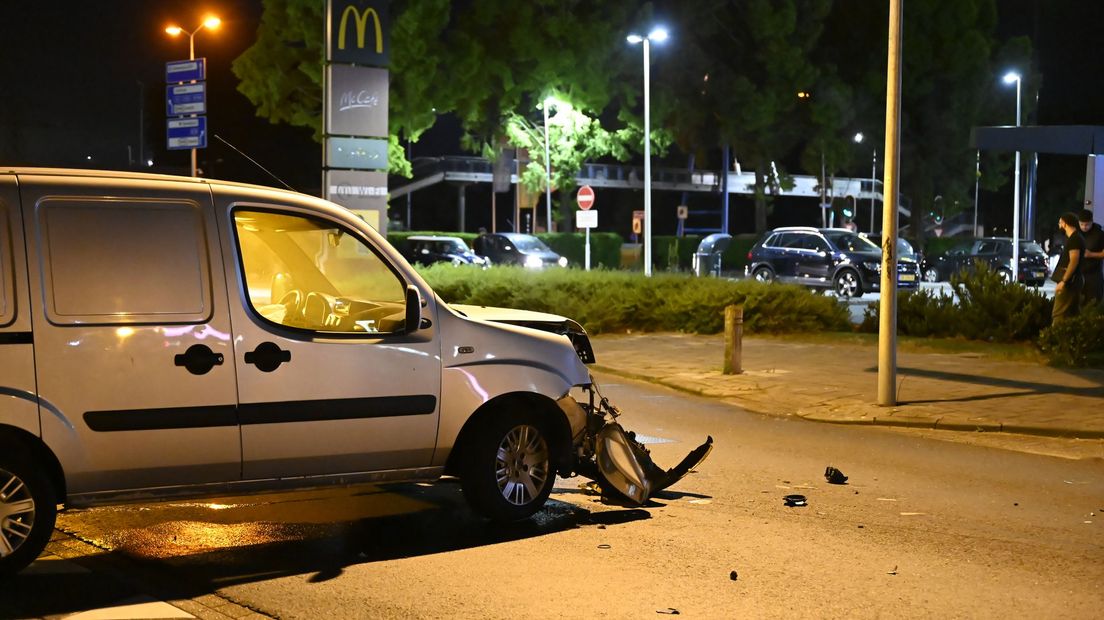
(859, 137)
(548, 102)
(1010, 77)
(210, 23)
(658, 35)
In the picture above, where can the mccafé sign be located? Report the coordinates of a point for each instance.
(359, 32)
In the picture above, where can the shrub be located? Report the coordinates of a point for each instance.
(1077, 341)
(608, 301)
(986, 308)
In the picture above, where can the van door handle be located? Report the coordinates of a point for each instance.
(267, 356)
(199, 359)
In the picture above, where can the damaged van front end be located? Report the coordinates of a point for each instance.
(602, 450)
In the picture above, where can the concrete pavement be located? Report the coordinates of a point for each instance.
(838, 383)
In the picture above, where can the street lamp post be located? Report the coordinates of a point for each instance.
(547, 166)
(210, 23)
(1010, 77)
(658, 35)
(859, 137)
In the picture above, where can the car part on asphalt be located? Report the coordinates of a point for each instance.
(620, 463)
(795, 500)
(834, 476)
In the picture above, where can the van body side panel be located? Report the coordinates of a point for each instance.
(130, 321)
(18, 396)
(338, 403)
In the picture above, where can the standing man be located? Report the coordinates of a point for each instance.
(1093, 292)
(1067, 274)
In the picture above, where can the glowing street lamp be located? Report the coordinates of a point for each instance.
(859, 137)
(658, 35)
(1009, 78)
(210, 23)
(548, 102)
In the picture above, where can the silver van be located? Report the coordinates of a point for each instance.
(166, 337)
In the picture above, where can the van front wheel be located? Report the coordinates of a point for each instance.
(28, 508)
(507, 474)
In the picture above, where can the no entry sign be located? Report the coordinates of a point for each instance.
(585, 197)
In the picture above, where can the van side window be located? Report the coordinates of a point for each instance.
(7, 293)
(308, 273)
(110, 261)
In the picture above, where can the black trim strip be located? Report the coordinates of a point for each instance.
(260, 413)
(337, 409)
(159, 419)
(16, 338)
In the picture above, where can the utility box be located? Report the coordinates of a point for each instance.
(707, 258)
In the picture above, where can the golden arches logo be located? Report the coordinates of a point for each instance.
(361, 20)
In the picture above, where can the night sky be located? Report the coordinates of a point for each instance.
(86, 79)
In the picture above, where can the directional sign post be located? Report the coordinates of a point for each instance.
(187, 133)
(586, 219)
(184, 99)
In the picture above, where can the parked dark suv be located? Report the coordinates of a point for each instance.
(847, 262)
(517, 249)
(993, 251)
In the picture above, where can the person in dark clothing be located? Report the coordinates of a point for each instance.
(1067, 274)
(1093, 291)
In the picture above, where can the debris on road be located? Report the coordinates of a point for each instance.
(733, 576)
(795, 500)
(604, 546)
(894, 571)
(670, 611)
(834, 476)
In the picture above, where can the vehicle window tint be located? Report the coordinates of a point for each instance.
(773, 241)
(7, 282)
(805, 241)
(309, 273)
(785, 240)
(132, 261)
(987, 247)
(851, 242)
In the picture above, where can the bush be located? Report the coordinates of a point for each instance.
(986, 309)
(1077, 341)
(611, 301)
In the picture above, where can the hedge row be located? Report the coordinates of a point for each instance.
(618, 301)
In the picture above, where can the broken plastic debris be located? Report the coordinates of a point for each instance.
(834, 476)
(671, 611)
(603, 546)
(893, 572)
(795, 500)
(733, 576)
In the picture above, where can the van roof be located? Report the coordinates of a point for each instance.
(122, 174)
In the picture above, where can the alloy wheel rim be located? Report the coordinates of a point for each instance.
(17, 513)
(521, 465)
(762, 275)
(846, 285)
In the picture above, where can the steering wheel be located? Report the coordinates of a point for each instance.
(292, 300)
(318, 311)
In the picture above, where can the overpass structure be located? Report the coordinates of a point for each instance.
(463, 171)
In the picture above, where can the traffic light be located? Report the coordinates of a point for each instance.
(849, 207)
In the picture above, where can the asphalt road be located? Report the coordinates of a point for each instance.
(924, 528)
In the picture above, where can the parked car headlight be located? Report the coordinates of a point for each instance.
(533, 262)
(872, 265)
(562, 261)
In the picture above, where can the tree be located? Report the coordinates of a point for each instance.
(735, 81)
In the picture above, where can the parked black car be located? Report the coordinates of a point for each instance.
(427, 249)
(996, 252)
(517, 249)
(846, 261)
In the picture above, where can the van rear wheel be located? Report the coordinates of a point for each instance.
(28, 508)
(508, 474)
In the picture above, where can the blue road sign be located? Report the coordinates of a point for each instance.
(187, 133)
(177, 71)
(184, 99)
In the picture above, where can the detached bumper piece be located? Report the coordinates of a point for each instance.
(626, 467)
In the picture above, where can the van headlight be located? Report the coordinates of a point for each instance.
(533, 262)
(562, 262)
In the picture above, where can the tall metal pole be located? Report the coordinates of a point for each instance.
(873, 183)
(647, 165)
(887, 321)
(1016, 199)
(547, 172)
(977, 184)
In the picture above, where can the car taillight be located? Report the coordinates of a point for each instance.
(749, 256)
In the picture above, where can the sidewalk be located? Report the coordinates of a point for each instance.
(838, 383)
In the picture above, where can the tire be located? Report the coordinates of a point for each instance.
(1005, 275)
(847, 284)
(28, 508)
(931, 274)
(507, 473)
(763, 274)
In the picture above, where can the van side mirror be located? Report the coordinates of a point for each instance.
(413, 309)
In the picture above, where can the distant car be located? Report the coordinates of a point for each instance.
(846, 261)
(996, 252)
(517, 249)
(427, 250)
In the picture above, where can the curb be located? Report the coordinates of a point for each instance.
(937, 424)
